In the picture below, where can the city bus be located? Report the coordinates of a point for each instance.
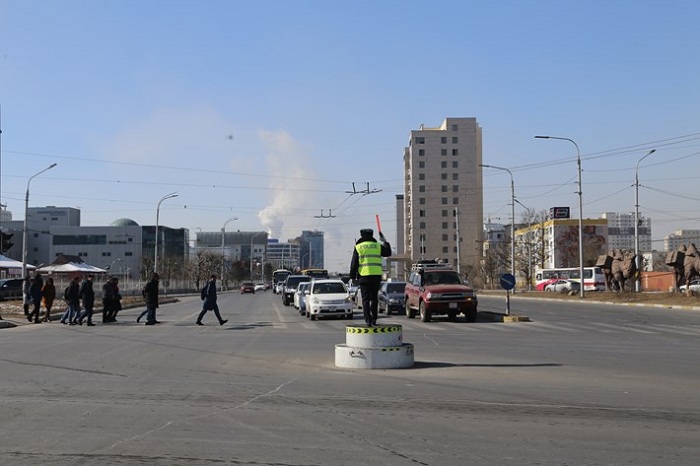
(593, 277)
(315, 273)
(279, 276)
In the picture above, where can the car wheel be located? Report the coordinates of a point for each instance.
(424, 313)
(410, 313)
(313, 317)
(388, 311)
(349, 317)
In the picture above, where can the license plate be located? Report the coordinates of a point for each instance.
(453, 305)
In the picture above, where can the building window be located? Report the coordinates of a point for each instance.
(444, 200)
(420, 140)
(106, 254)
(455, 164)
(128, 254)
(444, 213)
(455, 176)
(421, 189)
(455, 140)
(443, 152)
(421, 225)
(421, 176)
(455, 151)
(443, 164)
(443, 188)
(454, 127)
(421, 152)
(421, 213)
(445, 249)
(421, 201)
(455, 200)
(443, 140)
(421, 164)
(444, 225)
(444, 176)
(444, 237)
(455, 188)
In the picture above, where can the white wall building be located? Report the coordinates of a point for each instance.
(621, 231)
(443, 193)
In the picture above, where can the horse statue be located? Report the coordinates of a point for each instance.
(685, 262)
(618, 266)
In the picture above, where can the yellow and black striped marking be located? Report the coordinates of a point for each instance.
(378, 329)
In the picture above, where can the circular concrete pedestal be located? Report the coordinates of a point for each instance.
(377, 347)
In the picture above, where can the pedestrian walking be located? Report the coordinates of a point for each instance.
(209, 304)
(87, 296)
(116, 301)
(111, 303)
(366, 269)
(150, 297)
(48, 295)
(37, 283)
(72, 297)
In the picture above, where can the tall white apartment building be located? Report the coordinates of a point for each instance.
(443, 193)
(621, 231)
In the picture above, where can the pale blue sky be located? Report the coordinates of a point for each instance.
(136, 99)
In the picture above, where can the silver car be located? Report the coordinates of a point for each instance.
(563, 286)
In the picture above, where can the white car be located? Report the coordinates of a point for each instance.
(259, 287)
(328, 298)
(563, 286)
(299, 295)
(694, 286)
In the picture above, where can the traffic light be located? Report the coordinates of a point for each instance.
(5, 242)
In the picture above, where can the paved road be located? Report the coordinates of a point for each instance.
(581, 384)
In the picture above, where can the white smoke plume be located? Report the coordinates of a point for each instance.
(288, 162)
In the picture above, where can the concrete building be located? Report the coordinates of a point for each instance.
(674, 241)
(311, 250)
(283, 255)
(621, 231)
(234, 245)
(443, 194)
(554, 243)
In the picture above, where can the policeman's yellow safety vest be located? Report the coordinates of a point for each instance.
(370, 258)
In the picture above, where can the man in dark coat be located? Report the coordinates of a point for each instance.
(150, 296)
(87, 295)
(209, 304)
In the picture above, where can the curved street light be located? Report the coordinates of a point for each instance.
(512, 215)
(637, 261)
(25, 235)
(155, 256)
(580, 208)
(223, 238)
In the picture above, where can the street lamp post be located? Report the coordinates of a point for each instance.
(223, 243)
(580, 209)
(637, 261)
(512, 216)
(155, 255)
(25, 235)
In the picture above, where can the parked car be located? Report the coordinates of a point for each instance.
(247, 287)
(328, 298)
(563, 286)
(300, 297)
(11, 288)
(694, 286)
(391, 297)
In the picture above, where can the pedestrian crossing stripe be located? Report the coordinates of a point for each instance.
(379, 329)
